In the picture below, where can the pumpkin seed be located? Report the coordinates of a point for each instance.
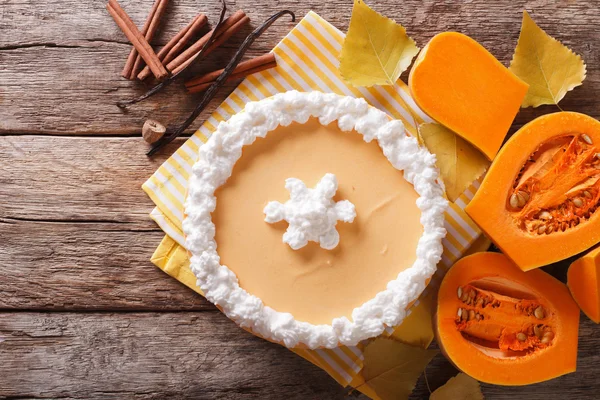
(537, 330)
(550, 229)
(525, 195)
(464, 315)
(465, 296)
(541, 229)
(459, 313)
(597, 155)
(539, 312)
(545, 215)
(587, 194)
(548, 336)
(521, 337)
(514, 201)
(460, 292)
(587, 139)
(471, 315)
(578, 202)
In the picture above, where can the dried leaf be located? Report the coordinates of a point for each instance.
(459, 162)
(391, 368)
(550, 68)
(417, 328)
(376, 50)
(461, 387)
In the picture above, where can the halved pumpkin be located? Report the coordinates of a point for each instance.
(582, 279)
(461, 85)
(504, 326)
(538, 202)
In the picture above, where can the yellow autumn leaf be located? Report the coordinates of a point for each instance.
(391, 368)
(376, 50)
(417, 328)
(459, 162)
(461, 387)
(550, 68)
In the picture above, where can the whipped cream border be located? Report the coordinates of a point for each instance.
(215, 165)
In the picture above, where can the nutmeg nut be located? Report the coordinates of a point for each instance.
(152, 131)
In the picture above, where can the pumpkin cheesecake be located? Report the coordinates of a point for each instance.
(305, 230)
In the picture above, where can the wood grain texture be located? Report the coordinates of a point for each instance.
(83, 312)
(199, 355)
(94, 179)
(149, 356)
(60, 61)
(86, 266)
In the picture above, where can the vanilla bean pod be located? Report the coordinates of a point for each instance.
(212, 90)
(172, 77)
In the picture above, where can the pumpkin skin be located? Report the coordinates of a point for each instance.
(461, 85)
(582, 279)
(488, 347)
(538, 201)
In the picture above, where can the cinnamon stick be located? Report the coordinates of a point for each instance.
(134, 53)
(177, 43)
(239, 75)
(218, 41)
(136, 38)
(243, 69)
(213, 89)
(230, 26)
(155, 21)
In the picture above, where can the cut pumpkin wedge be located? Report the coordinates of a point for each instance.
(505, 326)
(461, 85)
(582, 279)
(539, 200)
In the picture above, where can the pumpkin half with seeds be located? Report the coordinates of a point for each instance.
(505, 326)
(538, 201)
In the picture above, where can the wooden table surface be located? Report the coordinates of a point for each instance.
(83, 312)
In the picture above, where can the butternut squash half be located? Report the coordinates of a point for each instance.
(504, 326)
(582, 279)
(461, 85)
(538, 202)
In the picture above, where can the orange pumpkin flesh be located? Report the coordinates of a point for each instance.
(538, 201)
(504, 326)
(461, 85)
(582, 279)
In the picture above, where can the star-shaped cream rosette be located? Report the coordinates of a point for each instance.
(311, 213)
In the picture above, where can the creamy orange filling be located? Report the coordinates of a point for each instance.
(313, 284)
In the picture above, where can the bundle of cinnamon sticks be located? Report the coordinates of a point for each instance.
(174, 57)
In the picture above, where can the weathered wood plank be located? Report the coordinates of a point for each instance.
(99, 266)
(75, 228)
(149, 356)
(60, 61)
(198, 355)
(77, 179)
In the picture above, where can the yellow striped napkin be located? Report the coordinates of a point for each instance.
(307, 60)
